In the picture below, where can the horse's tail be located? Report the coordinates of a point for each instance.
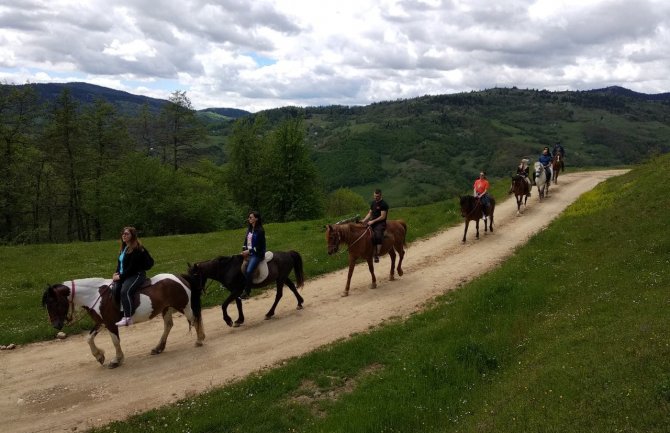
(196, 287)
(297, 267)
(404, 225)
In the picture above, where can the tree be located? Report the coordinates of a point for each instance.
(181, 129)
(18, 108)
(290, 180)
(244, 170)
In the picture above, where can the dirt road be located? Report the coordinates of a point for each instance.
(57, 386)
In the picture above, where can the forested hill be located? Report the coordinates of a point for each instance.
(74, 155)
(127, 103)
(433, 146)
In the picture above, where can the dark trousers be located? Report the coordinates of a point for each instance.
(378, 233)
(129, 286)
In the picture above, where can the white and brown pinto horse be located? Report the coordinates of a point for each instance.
(163, 294)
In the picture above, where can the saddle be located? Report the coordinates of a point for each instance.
(261, 272)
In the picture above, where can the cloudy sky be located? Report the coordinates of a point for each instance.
(259, 54)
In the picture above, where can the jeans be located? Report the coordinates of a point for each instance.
(249, 272)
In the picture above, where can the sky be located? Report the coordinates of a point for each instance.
(260, 54)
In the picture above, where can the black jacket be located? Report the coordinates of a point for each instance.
(138, 261)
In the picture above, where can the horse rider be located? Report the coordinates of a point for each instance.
(545, 159)
(376, 220)
(253, 249)
(558, 150)
(481, 191)
(523, 170)
(133, 262)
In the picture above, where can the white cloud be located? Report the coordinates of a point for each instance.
(265, 54)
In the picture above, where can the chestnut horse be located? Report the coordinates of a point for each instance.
(471, 210)
(556, 165)
(162, 294)
(227, 271)
(521, 191)
(358, 238)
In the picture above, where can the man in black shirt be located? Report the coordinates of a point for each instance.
(376, 219)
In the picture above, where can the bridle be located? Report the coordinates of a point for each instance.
(339, 240)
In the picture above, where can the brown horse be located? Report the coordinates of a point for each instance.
(358, 237)
(556, 166)
(471, 209)
(162, 294)
(521, 191)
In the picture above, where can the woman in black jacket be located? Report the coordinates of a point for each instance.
(133, 262)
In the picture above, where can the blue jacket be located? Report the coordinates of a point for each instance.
(257, 242)
(545, 159)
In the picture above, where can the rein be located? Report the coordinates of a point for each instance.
(367, 229)
(70, 313)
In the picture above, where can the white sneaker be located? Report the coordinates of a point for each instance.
(125, 321)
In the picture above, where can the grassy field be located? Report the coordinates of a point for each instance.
(569, 335)
(27, 270)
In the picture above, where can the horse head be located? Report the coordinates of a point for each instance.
(54, 299)
(468, 203)
(333, 238)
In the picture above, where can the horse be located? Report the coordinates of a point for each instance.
(556, 165)
(162, 294)
(521, 190)
(471, 210)
(358, 238)
(228, 272)
(541, 180)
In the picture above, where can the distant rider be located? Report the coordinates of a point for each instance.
(523, 170)
(545, 159)
(481, 191)
(558, 150)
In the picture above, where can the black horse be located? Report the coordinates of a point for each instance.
(471, 209)
(228, 271)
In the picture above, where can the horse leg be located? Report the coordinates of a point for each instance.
(278, 296)
(372, 273)
(97, 353)
(240, 313)
(477, 226)
(294, 289)
(116, 341)
(167, 326)
(465, 232)
(199, 327)
(392, 255)
(352, 263)
(491, 221)
(224, 306)
(401, 255)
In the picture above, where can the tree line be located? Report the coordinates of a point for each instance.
(81, 172)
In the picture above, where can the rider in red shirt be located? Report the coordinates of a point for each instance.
(481, 190)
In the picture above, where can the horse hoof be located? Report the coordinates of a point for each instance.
(236, 325)
(198, 344)
(156, 351)
(113, 365)
(299, 307)
(101, 360)
(391, 278)
(400, 272)
(268, 317)
(228, 322)
(345, 294)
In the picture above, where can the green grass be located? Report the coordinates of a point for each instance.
(27, 270)
(569, 335)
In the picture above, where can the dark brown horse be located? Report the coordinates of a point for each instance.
(358, 238)
(556, 166)
(471, 210)
(521, 191)
(227, 271)
(162, 294)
